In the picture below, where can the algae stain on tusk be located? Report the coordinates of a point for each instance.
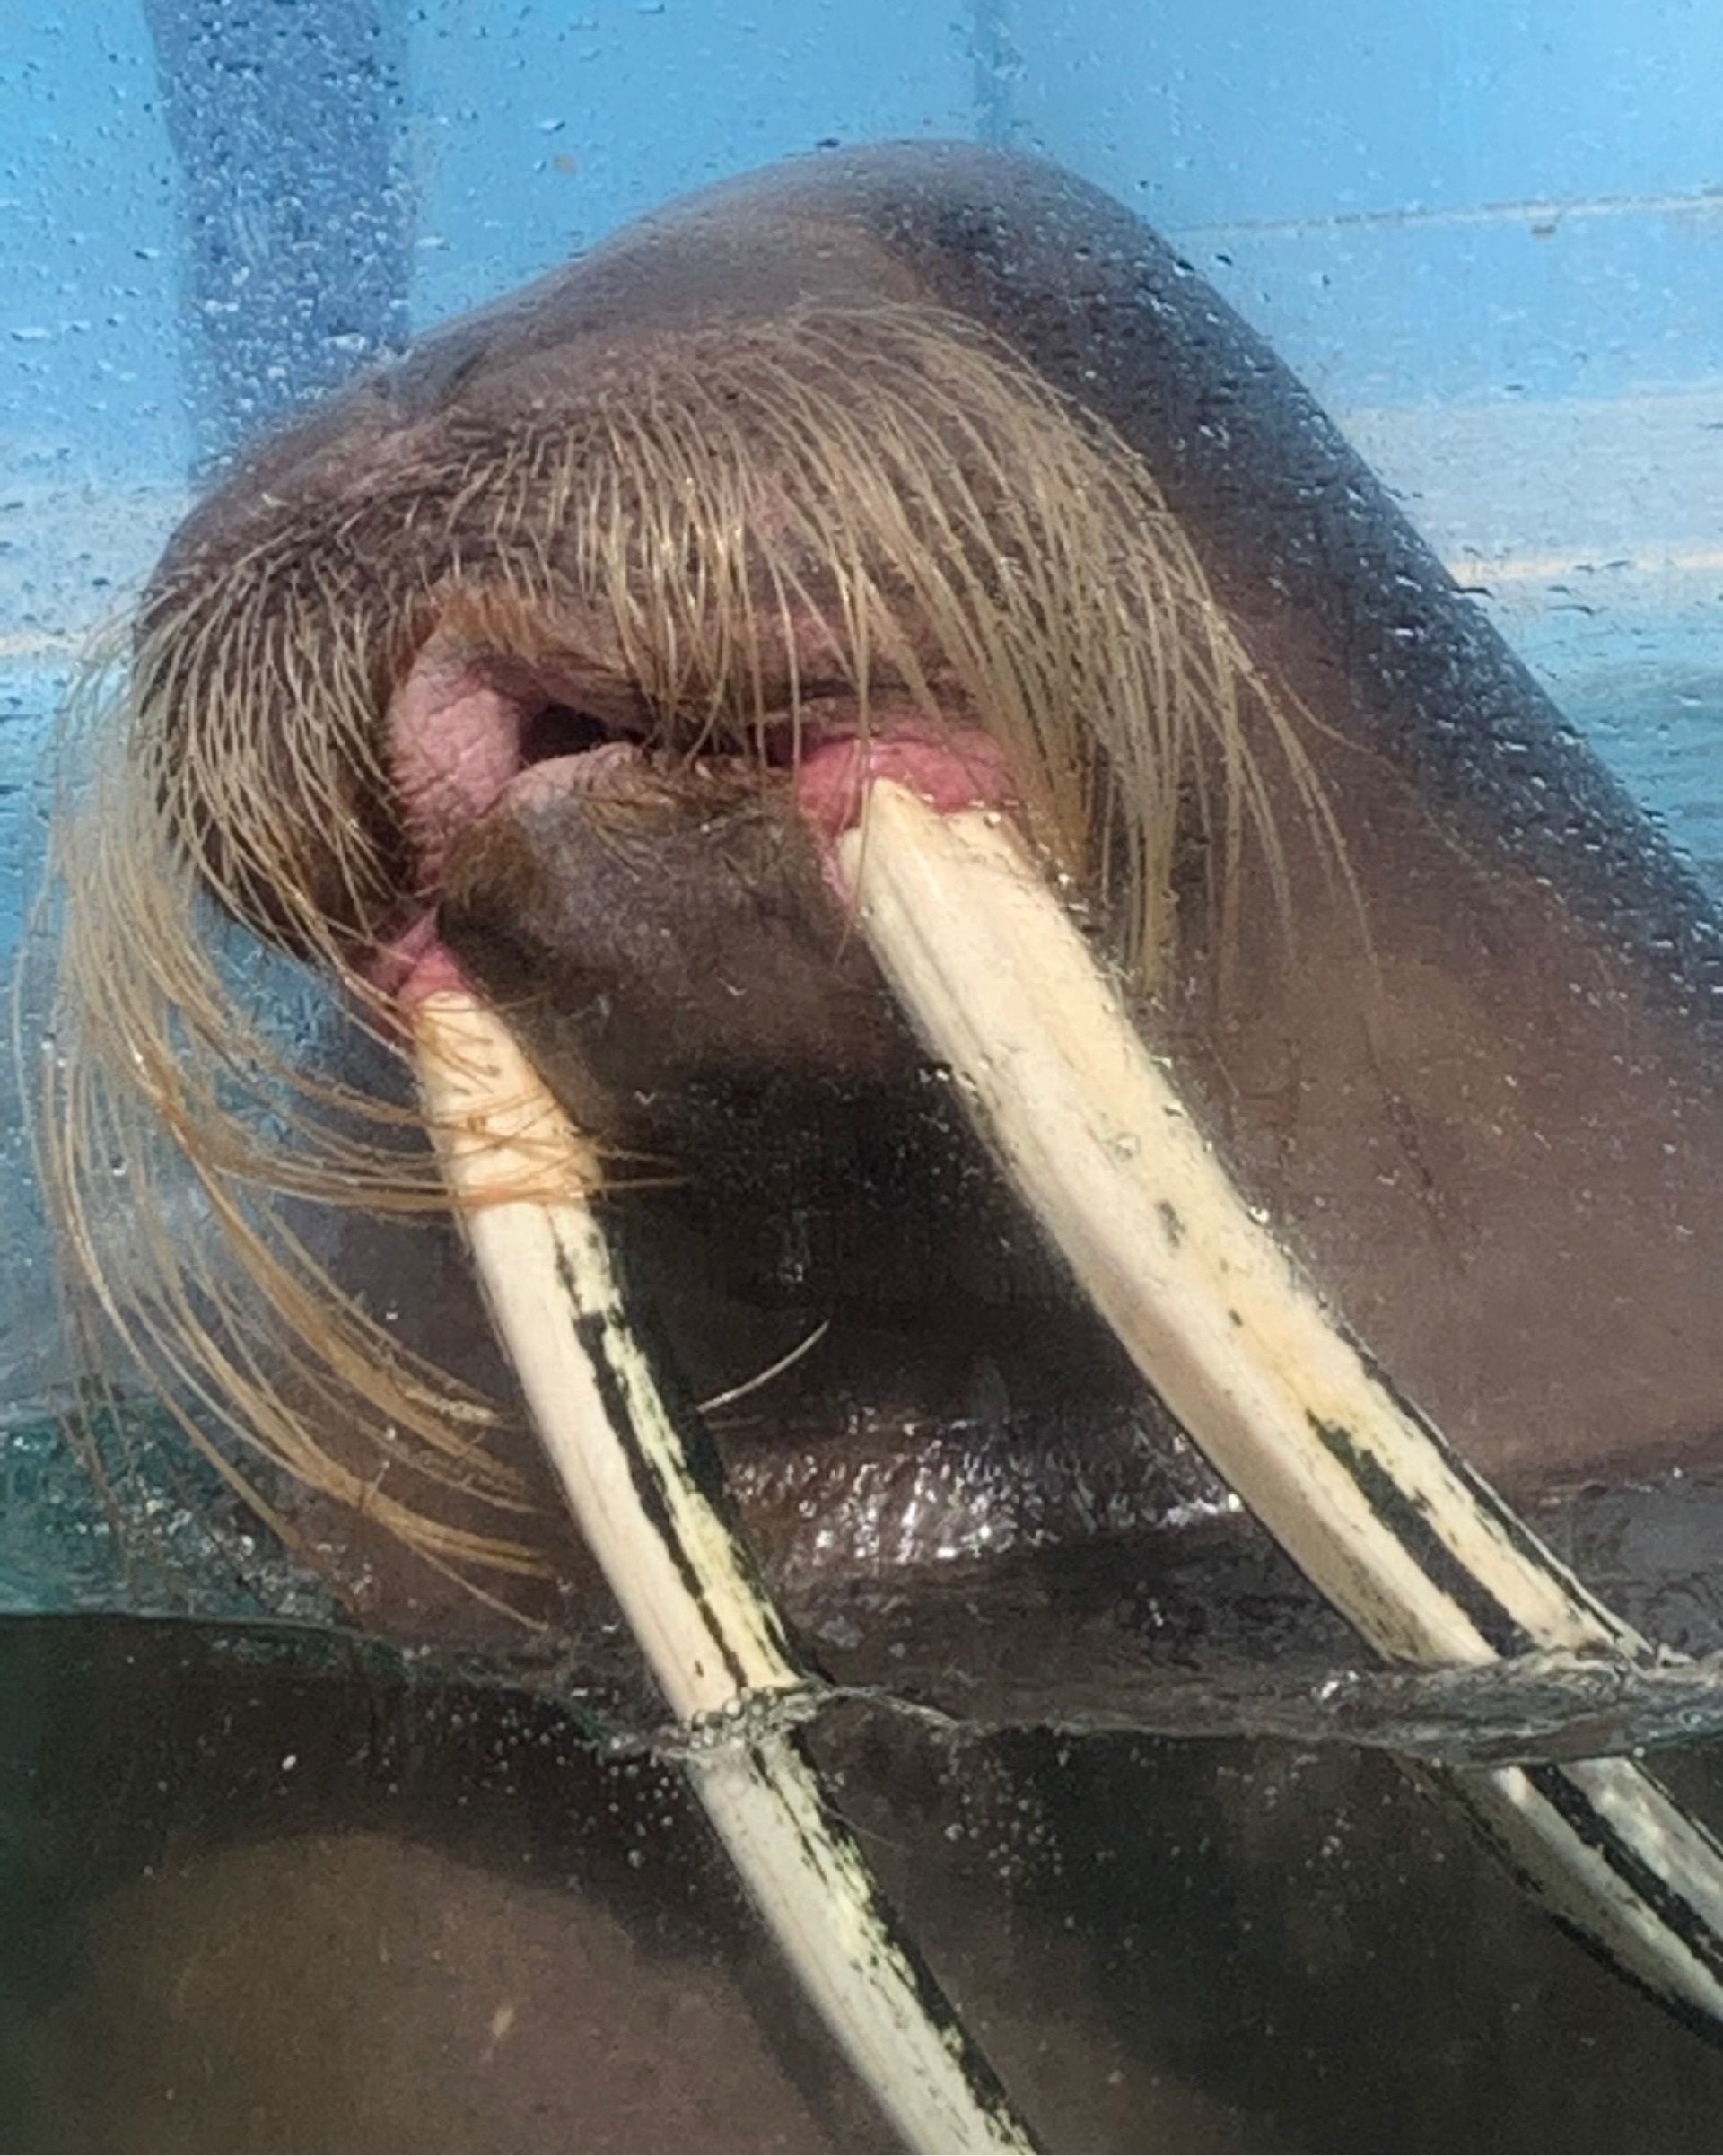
(1388, 1522)
(642, 1485)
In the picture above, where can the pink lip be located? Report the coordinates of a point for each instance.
(950, 767)
(415, 964)
(456, 745)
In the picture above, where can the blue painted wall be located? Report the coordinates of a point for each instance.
(1418, 203)
(540, 129)
(88, 381)
(1488, 233)
(532, 131)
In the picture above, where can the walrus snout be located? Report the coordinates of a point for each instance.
(661, 925)
(535, 653)
(664, 940)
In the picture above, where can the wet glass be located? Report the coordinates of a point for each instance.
(304, 1849)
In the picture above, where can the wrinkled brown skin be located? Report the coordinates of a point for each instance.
(1501, 1152)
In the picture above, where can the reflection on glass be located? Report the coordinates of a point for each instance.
(552, 656)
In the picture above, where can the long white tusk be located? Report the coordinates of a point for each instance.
(643, 1488)
(1389, 1523)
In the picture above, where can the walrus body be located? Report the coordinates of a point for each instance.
(540, 658)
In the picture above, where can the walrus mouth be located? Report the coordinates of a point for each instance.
(470, 740)
(555, 665)
(457, 713)
(1416, 1551)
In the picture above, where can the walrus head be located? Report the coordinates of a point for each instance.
(541, 656)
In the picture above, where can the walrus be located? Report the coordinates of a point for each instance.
(540, 658)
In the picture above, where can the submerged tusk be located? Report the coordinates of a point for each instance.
(1362, 1493)
(640, 1483)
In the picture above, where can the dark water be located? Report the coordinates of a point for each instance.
(269, 1892)
(284, 1891)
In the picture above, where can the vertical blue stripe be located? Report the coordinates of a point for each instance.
(286, 117)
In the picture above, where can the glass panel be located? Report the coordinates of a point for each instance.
(1372, 752)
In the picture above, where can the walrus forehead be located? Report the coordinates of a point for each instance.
(515, 363)
(1012, 245)
(764, 257)
(888, 225)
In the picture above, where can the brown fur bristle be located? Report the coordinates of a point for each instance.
(958, 529)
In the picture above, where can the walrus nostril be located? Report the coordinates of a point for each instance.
(559, 729)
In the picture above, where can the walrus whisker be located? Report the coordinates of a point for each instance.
(776, 1368)
(630, 1469)
(1401, 1536)
(815, 470)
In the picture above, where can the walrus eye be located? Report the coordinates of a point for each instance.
(559, 729)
